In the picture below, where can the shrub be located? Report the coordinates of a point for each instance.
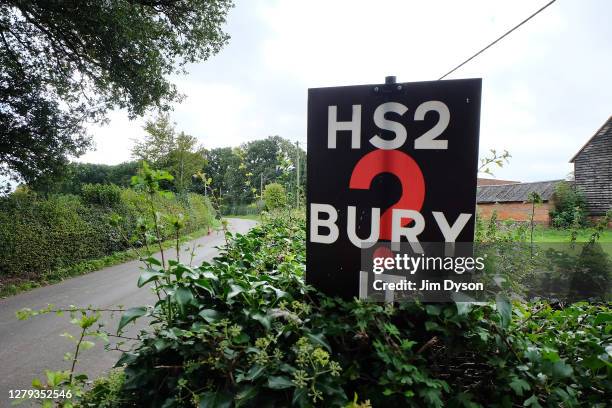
(243, 209)
(569, 206)
(106, 195)
(274, 196)
(40, 235)
(246, 331)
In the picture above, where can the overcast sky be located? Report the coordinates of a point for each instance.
(546, 88)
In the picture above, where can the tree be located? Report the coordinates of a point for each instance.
(236, 183)
(75, 175)
(569, 206)
(158, 141)
(185, 160)
(178, 154)
(274, 160)
(242, 172)
(261, 161)
(274, 196)
(533, 198)
(218, 160)
(66, 62)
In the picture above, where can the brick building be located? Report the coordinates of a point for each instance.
(592, 176)
(510, 200)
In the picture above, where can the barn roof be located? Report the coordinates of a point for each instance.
(605, 128)
(488, 181)
(507, 193)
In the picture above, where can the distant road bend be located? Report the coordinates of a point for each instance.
(29, 347)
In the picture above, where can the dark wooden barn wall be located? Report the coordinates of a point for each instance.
(593, 171)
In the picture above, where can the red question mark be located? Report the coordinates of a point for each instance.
(401, 166)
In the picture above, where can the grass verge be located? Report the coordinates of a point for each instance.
(550, 235)
(254, 217)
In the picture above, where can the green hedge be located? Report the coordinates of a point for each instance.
(39, 235)
(246, 331)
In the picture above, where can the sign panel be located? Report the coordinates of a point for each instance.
(388, 163)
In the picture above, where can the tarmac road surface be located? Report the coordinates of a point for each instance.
(29, 347)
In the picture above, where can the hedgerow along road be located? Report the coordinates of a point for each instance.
(29, 347)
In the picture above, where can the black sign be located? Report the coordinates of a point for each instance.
(388, 163)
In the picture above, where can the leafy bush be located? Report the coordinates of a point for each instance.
(246, 331)
(106, 195)
(40, 235)
(569, 207)
(274, 196)
(243, 209)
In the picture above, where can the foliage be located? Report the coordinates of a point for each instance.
(274, 160)
(241, 173)
(75, 175)
(69, 382)
(105, 195)
(40, 237)
(253, 209)
(218, 160)
(177, 153)
(534, 198)
(245, 330)
(66, 62)
(569, 207)
(274, 196)
(545, 234)
(494, 159)
(493, 230)
(104, 391)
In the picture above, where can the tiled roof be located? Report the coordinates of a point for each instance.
(515, 192)
(490, 182)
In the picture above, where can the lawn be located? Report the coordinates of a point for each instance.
(546, 234)
(254, 217)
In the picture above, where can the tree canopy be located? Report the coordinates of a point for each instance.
(63, 63)
(176, 152)
(240, 173)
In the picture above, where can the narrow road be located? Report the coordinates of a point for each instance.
(29, 347)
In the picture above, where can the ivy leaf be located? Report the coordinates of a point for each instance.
(279, 382)
(300, 397)
(183, 297)
(131, 315)
(432, 397)
(215, 400)
(210, 315)
(320, 340)
(235, 291)
(148, 276)
(532, 354)
(153, 261)
(463, 308)
(532, 402)
(562, 370)
(519, 385)
(602, 318)
(255, 372)
(504, 308)
(245, 394)
(430, 326)
(593, 362)
(264, 320)
(433, 310)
